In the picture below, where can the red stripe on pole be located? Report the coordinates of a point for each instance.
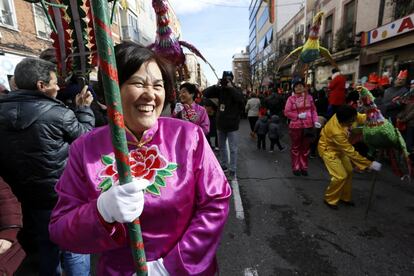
(124, 158)
(116, 117)
(137, 221)
(108, 69)
(139, 245)
(102, 25)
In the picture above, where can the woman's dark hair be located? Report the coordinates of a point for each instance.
(130, 56)
(346, 114)
(191, 88)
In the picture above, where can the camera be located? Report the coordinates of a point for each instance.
(226, 78)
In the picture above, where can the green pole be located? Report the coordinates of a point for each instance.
(107, 66)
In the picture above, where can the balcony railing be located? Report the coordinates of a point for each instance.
(403, 8)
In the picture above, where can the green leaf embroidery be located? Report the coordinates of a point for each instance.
(164, 173)
(105, 184)
(107, 160)
(153, 189)
(172, 167)
(160, 181)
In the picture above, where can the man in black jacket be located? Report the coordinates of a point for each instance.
(230, 107)
(36, 130)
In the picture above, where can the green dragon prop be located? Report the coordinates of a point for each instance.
(379, 133)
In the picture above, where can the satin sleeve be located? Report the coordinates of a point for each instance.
(342, 142)
(75, 224)
(204, 121)
(194, 254)
(290, 112)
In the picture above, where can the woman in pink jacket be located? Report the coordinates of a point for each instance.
(301, 111)
(179, 191)
(187, 109)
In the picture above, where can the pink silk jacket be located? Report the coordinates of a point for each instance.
(185, 208)
(196, 114)
(296, 104)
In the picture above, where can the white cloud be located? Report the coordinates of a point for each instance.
(194, 6)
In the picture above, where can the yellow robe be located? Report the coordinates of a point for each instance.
(337, 154)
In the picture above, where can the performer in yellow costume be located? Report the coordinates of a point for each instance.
(338, 155)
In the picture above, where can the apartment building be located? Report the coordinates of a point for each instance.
(261, 42)
(25, 30)
(337, 34)
(241, 70)
(195, 71)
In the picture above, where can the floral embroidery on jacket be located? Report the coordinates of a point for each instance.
(145, 162)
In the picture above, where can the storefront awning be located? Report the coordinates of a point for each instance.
(390, 44)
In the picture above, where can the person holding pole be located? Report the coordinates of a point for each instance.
(179, 191)
(338, 155)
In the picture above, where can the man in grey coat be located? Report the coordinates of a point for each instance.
(36, 130)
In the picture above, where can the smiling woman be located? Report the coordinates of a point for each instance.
(179, 191)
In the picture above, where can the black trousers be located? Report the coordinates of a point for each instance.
(274, 142)
(252, 122)
(261, 141)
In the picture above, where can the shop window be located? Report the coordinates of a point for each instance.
(7, 16)
(41, 23)
(328, 35)
(387, 65)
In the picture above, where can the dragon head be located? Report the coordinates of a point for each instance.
(317, 19)
(365, 96)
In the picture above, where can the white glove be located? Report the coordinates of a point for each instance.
(123, 203)
(178, 108)
(317, 125)
(375, 166)
(156, 268)
(302, 115)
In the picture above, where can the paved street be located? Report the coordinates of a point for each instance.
(288, 230)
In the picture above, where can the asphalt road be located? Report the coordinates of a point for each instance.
(287, 230)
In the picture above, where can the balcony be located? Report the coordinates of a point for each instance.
(402, 8)
(344, 38)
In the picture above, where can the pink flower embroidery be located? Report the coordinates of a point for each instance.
(145, 162)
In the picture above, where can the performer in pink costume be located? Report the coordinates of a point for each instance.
(186, 204)
(189, 110)
(301, 111)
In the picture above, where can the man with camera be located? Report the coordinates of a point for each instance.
(230, 108)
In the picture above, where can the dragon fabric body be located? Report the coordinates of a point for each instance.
(379, 133)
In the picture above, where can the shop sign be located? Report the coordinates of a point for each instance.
(392, 29)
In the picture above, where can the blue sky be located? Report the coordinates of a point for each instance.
(218, 28)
